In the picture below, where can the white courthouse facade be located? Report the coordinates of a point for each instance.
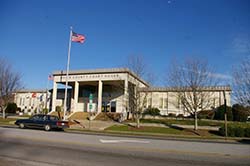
(106, 90)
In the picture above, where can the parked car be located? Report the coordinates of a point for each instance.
(46, 122)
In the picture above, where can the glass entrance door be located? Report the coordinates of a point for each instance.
(105, 106)
(113, 106)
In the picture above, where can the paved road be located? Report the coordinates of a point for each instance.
(37, 147)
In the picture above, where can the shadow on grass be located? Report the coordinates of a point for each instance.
(244, 141)
(214, 132)
(183, 129)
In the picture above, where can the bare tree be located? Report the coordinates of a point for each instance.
(241, 78)
(138, 65)
(9, 82)
(191, 79)
(137, 100)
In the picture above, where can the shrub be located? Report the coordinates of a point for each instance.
(114, 116)
(240, 113)
(247, 132)
(236, 130)
(11, 108)
(220, 111)
(222, 131)
(45, 111)
(58, 109)
(172, 115)
(239, 131)
(152, 111)
(206, 114)
(180, 116)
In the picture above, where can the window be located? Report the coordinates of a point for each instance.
(53, 118)
(149, 102)
(36, 117)
(178, 103)
(161, 103)
(166, 103)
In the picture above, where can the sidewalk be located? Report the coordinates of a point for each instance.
(93, 125)
(102, 125)
(199, 127)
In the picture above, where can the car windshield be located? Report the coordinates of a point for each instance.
(54, 118)
(38, 117)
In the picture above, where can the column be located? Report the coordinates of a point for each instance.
(126, 97)
(54, 96)
(76, 93)
(99, 96)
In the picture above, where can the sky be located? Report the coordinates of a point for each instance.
(34, 35)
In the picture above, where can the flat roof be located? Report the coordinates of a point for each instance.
(31, 91)
(177, 89)
(100, 71)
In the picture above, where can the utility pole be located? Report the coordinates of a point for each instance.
(225, 113)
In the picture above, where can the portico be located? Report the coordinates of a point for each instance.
(108, 88)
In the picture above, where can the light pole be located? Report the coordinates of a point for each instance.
(225, 113)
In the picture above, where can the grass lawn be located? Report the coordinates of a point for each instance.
(144, 129)
(7, 121)
(160, 130)
(168, 122)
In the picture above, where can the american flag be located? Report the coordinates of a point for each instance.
(50, 77)
(77, 37)
(33, 95)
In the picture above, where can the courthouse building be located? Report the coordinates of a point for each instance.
(107, 90)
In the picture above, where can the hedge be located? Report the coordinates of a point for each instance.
(236, 130)
(152, 111)
(240, 113)
(206, 114)
(11, 108)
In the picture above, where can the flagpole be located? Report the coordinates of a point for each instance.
(46, 99)
(67, 74)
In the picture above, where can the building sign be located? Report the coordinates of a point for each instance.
(90, 77)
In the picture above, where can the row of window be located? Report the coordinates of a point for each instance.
(31, 101)
(164, 103)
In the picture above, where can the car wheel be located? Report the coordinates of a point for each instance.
(47, 128)
(21, 125)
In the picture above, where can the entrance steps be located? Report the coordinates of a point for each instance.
(108, 116)
(78, 116)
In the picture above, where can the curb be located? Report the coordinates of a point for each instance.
(234, 140)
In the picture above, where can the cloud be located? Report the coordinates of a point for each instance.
(241, 44)
(224, 77)
(220, 76)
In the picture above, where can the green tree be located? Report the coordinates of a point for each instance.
(240, 113)
(220, 113)
(11, 108)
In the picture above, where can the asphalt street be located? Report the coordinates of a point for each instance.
(37, 147)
